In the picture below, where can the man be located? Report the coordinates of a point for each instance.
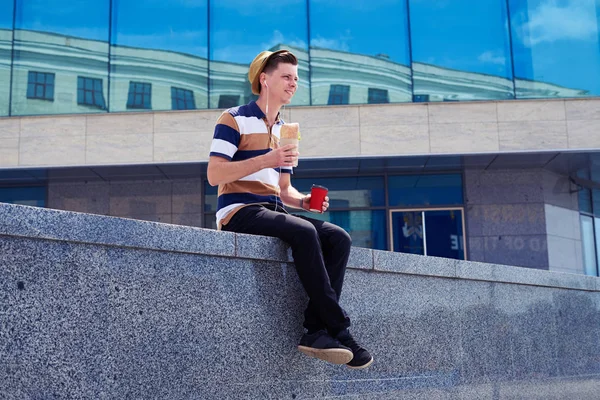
(254, 178)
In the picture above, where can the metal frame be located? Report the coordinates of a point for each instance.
(423, 210)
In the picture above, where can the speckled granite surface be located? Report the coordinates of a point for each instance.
(105, 308)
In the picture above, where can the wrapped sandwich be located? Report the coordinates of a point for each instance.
(290, 131)
(290, 134)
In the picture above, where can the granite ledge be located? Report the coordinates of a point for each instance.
(42, 223)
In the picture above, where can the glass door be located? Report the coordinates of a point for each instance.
(429, 232)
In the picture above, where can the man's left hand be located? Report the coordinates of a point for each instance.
(306, 203)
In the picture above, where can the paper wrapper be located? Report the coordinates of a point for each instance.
(290, 134)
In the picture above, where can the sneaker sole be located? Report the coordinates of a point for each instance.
(361, 366)
(334, 356)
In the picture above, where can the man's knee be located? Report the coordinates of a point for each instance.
(341, 238)
(304, 233)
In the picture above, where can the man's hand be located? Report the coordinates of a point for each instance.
(306, 203)
(281, 157)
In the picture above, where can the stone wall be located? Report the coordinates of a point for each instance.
(328, 131)
(102, 307)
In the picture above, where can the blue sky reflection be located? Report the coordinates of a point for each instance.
(175, 25)
(78, 18)
(557, 41)
(241, 29)
(462, 34)
(361, 26)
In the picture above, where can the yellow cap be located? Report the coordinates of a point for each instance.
(257, 66)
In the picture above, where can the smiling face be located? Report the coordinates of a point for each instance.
(281, 83)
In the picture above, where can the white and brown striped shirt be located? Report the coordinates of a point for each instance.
(242, 133)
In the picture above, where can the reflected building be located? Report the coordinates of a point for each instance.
(5, 68)
(397, 178)
(56, 74)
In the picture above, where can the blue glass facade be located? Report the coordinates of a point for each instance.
(115, 56)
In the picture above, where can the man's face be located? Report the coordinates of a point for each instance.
(283, 83)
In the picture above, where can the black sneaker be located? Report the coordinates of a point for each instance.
(321, 345)
(362, 358)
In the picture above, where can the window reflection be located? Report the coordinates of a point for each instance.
(27, 196)
(160, 46)
(242, 29)
(366, 228)
(348, 192)
(182, 99)
(556, 47)
(54, 45)
(460, 50)
(439, 189)
(40, 85)
(90, 92)
(359, 45)
(6, 21)
(339, 94)
(588, 244)
(140, 95)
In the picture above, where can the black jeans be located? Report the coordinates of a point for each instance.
(320, 250)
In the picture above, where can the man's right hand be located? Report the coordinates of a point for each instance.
(281, 157)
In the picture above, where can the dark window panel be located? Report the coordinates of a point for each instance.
(139, 96)
(89, 92)
(182, 99)
(29, 196)
(378, 96)
(339, 94)
(40, 85)
(434, 189)
(227, 101)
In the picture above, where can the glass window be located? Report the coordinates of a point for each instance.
(364, 45)
(6, 26)
(436, 233)
(444, 234)
(140, 95)
(28, 196)
(442, 189)
(460, 50)
(242, 29)
(339, 94)
(347, 192)
(40, 85)
(229, 100)
(408, 234)
(210, 198)
(588, 245)
(166, 43)
(366, 228)
(89, 92)
(66, 42)
(182, 99)
(378, 96)
(585, 194)
(556, 47)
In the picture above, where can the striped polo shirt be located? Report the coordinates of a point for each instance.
(242, 133)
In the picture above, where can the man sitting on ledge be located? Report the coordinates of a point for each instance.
(254, 177)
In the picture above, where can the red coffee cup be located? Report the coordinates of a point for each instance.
(317, 197)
